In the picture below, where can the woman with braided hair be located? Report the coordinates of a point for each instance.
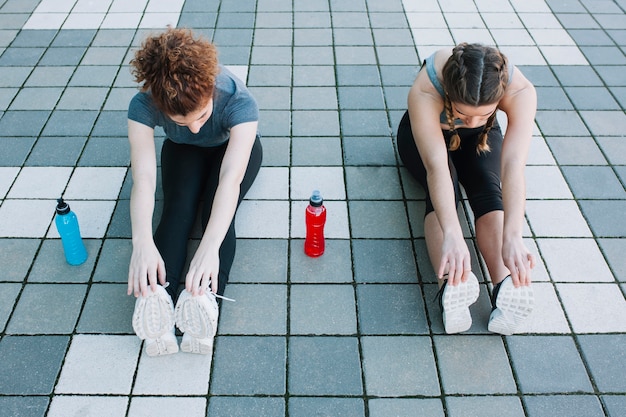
(450, 136)
(209, 159)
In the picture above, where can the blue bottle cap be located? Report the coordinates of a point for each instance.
(316, 199)
(62, 206)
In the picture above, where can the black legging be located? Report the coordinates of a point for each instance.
(190, 174)
(478, 173)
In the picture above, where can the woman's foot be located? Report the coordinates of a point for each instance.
(197, 318)
(455, 300)
(511, 306)
(153, 321)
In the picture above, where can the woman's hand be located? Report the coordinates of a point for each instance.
(455, 255)
(145, 269)
(203, 270)
(518, 259)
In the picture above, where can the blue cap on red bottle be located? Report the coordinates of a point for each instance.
(316, 199)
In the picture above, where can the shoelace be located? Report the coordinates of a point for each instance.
(167, 284)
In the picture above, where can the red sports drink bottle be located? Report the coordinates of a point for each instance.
(315, 217)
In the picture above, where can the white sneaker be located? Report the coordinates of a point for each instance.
(455, 301)
(512, 306)
(164, 345)
(197, 318)
(153, 321)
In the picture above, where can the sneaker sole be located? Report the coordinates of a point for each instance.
(191, 344)
(165, 345)
(154, 315)
(195, 316)
(456, 301)
(513, 305)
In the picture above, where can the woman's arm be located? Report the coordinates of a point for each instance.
(425, 106)
(519, 104)
(146, 264)
(204, 266)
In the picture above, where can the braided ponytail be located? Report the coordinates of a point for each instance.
(475, 75)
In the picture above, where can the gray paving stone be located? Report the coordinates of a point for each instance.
(355, 55)
(504, 406)
(93, 76)
(373, 183)
(22, 123)
(259, 309)
(349, 17)
(372, 151)
(312, 19)
(399, 366)
(63, 56)
(106, 152)
(592, 98)
(38, 312)
(328, 366)
(473, 365)
(107, 310)
(572, 150)
(322, 310)
(333, 267)
(259, 260)
(313, 55)
(403, 311)
(339, 407)
(314, 98)
(272, 37)
(560, 123)
(407, 407)
(607, 364)
(361, 98)
(614, 149)
(270, 55)
(21, 57)
(248, 365)
(111, 123)
(563, 406)
(269, 75)
(197, 20)
(364, 123)
(601, 215)
(613, 250)
(56, 151)
(611, 75)
(313, 75)
(74, 37)
(275, 123)
(51, 267)
(614, 404)
(594, 183)
(393, 36)
(275, 151)
(579, 76)
(42, 98)
(16, 257)
(312, 36)
(367, 221)
(246, 406)
(113, 261)
(70, 123)
(8, 296)
(538, 362)
(23, 406)
(358, 75)
(30, 364)
(552, 98)
(589, 37)
(15, 150)
(384, 261)
(34, 38)
(49, 76)
(241, 19)
(14, 76)
(315, 151)
(315, 123)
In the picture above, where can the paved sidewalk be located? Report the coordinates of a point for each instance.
(356, 332)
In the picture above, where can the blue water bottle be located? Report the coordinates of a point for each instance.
(67, 225)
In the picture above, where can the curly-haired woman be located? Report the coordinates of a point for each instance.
(450, 135)
(210, 158)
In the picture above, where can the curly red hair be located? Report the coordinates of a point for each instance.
(178, 69)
